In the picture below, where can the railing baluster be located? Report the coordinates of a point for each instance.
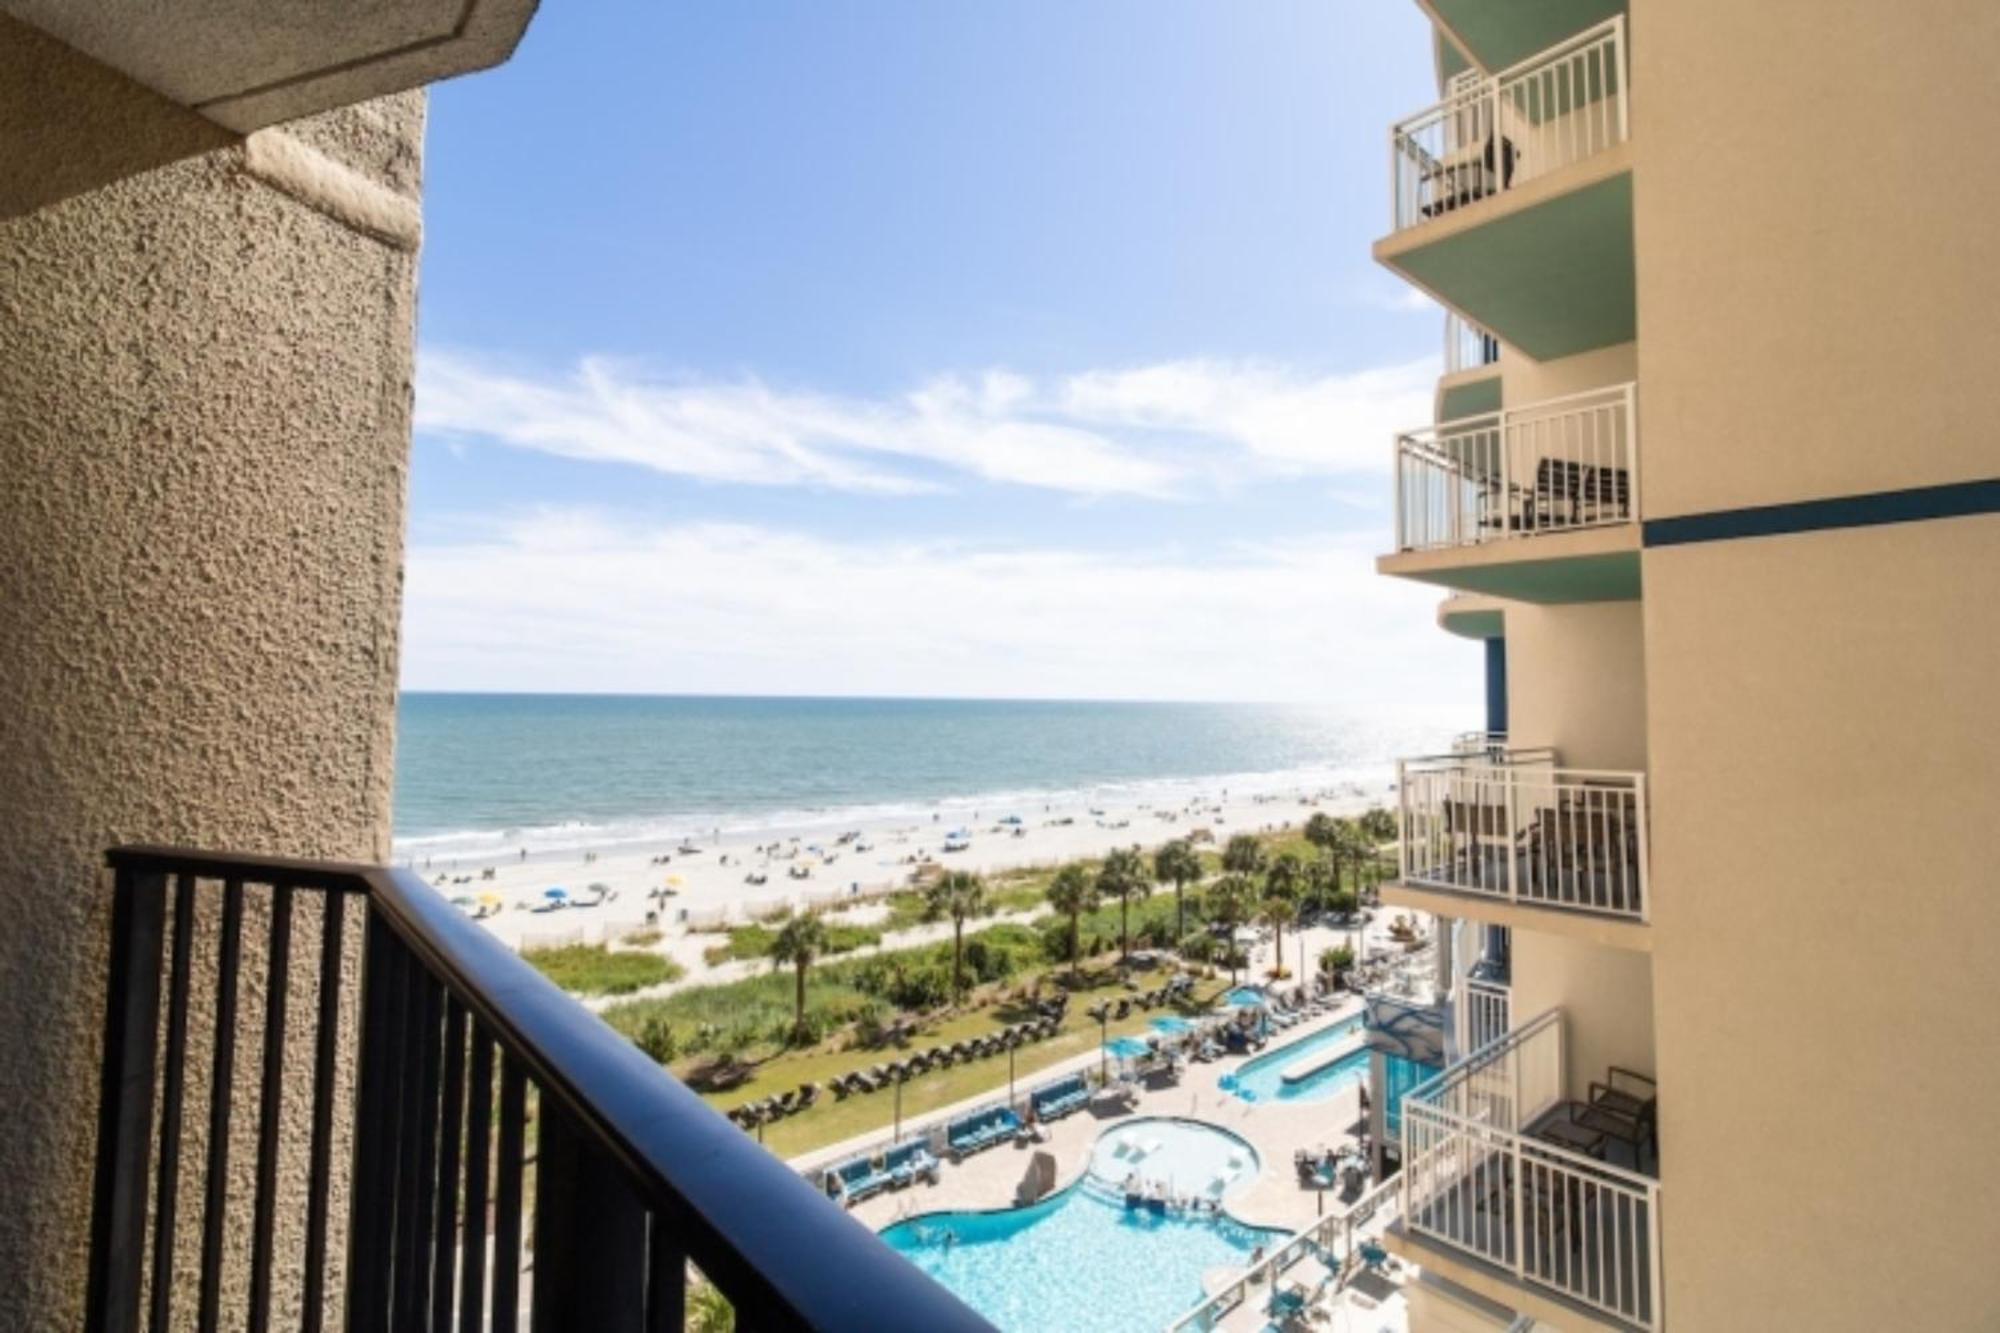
(325, 1056)
(271, 1101)
(125, 1102)
(478, 1161)
(222, 1079)
(416, 1188)
(507, 1201)
(377, 1106)
(444, 1236)
(666, 1278)
(590, 1234)
(167, 1198)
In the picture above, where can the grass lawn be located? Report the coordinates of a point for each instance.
(592, 969)
(830, 1121)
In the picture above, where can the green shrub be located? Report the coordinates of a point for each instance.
(592, 969)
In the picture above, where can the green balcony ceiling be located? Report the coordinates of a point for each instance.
(1499, 33)
(1554, 280)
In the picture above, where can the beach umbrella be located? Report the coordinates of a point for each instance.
(557, 894)
(600, 888)
(462, 902)
(1128, 1048)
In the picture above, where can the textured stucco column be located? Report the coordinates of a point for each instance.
(205, 377)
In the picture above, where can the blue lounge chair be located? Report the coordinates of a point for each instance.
(858, 1178)
(908, 1162)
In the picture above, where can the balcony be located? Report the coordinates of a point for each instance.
(1540, 1201)
(1511, 198)
(1510, 832)
(474, 1082)
(1537, 504)
(1481, 1011)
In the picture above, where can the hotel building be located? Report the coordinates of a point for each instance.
(1707, 479)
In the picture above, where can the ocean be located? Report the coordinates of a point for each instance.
(478, 774)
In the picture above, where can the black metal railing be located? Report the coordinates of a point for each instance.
(500, 1158)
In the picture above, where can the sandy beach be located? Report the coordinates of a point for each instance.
(716, 879)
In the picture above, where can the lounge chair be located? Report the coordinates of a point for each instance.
(856, 1179)
(910, 1162)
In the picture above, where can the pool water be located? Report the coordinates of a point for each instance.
(1184, 1158)
(1262, 1079)
(1080, 1261)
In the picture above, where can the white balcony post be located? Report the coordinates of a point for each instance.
(1396, 466)
(1632, 446)
(1513, 820)
(1644, 854)
(1403, 807)
(1624, 75)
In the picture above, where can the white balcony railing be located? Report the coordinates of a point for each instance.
(1482, 1013)
(1514, 826)
(1478, 742)
(1331, 1239)
(1549, 111)
(1466, 345)
(1555, 466)
(1477, 1178)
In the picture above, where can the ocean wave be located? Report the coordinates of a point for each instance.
(668, 827)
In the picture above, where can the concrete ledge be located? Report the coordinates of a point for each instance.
(333, 190)
(1605, 931)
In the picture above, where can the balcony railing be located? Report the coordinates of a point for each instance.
(1479, 1177)
(1553, 109)
(1479, 742)
(1514, 826)
(432, 1095)
(1466, 345)
(1482, 1012)
(1331, 1239)
(1557, 466)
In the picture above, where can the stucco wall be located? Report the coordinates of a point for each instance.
(1824, 784)
(1576, 680)
(204, 425)
(1606, 996)
(1526, 382)
(1814, 199)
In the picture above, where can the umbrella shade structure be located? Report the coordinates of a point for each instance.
(491, 900)
(558, 894)
(1172, 1024)
(600, 889)
(1128, 1048)
(462, 902)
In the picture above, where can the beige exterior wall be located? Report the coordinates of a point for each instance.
(1812, 296)
(1525, 382)
(1576, 680)
(1824, 712)
(204, 426)
(1814, 227)
(1606, 996)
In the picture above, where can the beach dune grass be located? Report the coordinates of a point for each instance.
(593, 969)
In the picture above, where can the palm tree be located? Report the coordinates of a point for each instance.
(1277, 913)
(1073, 892)
(1379, 825)
(799, 944)
(1285, 877)
(1322, 880)
(1320, 831)
(1229, 900)
(1123, 876)
(956, 895)
(1178, 865)
(1243, 855)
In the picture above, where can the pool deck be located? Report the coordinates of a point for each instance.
(1276, 1129)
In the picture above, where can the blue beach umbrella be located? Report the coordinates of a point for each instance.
(1128, 1048)
(558, 894)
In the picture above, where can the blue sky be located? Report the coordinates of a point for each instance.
(900, 346)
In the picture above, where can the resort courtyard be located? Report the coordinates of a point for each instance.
(1157, 1190)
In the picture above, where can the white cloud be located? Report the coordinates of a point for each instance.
(1164, 430)
(569, 600)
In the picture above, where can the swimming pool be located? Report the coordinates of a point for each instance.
(1262, 1079)
(1184, 1157)
(1244, 997)
(1080, 1260)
